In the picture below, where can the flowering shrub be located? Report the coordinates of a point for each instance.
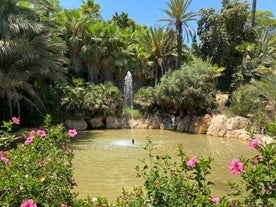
(258, 187)
(38, 170)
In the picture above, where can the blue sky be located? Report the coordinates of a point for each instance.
(148, 11)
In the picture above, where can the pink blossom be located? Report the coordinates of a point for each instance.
(32, 133)
(64, 205)
(29, 140)
(41, 133)
(215, 200)
(16, 120)
(28, 203)
(191, 161)
(4, 159)
(72, 132)
(235, 166)
(2, 153)
(253, 143)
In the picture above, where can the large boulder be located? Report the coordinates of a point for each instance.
(96, 123)
(238, 133)
(236, 127)
(237, 122)
(200, 124)
(113, 122)
(144, 123)
(76, 124)
(218, 126)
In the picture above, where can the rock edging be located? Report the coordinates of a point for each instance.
(217, 125)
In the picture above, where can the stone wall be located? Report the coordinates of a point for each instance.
(218, 125)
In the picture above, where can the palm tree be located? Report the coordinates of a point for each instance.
(159, 47)
(28, 52)
(254, 4)
(179, 17)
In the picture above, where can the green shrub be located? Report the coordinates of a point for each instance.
(132, 113)
(38, 168)
(86, 100)
(190, 90)
(103, 100)
(258, 186)
(256, 100)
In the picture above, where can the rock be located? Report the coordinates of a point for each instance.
(168, 122)
(145, 123)
(76, 124)
(200, 124)
(237, 122)
(183, 124)
(218, 126)
(96, 123)
(113, 122)
(222, 98)
(238, 133)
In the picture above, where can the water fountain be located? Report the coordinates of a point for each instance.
(128, 99)
(128, 91)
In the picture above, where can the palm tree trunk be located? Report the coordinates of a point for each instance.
(252, 22)
(179, 44)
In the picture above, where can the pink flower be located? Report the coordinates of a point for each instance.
(29, 140)
(64, 205)
(16, 120)
(72, 132)
(215, 200)
(253, 143)
(32, 133)
(191, 161)
(41, 133)
(28, 203)
(235, 166)
(5, 160)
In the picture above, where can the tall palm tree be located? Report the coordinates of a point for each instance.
(254, 5)
(179, 17)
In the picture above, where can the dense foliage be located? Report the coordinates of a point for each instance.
(190, 90)
(219, 37)
(256, 100)
(39, 167)
(84, 99)
(30, 51)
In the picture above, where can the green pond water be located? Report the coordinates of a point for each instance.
(105, 160)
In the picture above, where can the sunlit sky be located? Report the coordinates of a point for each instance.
(148, 11)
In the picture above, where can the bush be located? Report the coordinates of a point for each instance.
(256, 99)
(86, 100)
(39, 168)
(190, 90)
(258, 187)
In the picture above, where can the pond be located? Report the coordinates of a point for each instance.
(105, 160)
